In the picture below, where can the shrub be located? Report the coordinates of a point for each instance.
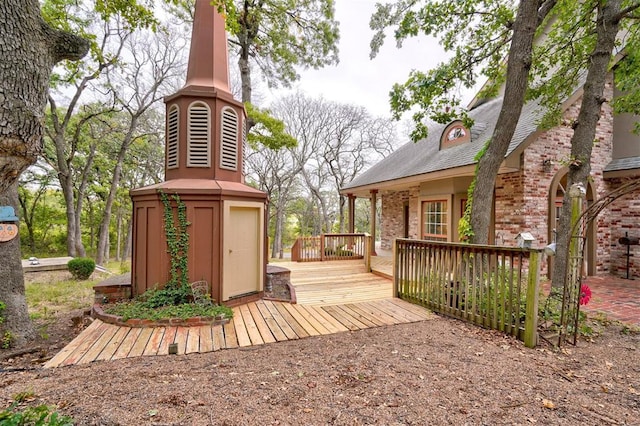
(81, 268)
(40, 415)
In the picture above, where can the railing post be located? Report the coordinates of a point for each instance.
(322, 247)
(531, 318)
(367, 253)
(395, 267)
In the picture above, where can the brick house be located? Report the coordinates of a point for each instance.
(423, 186)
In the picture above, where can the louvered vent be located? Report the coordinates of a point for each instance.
(173, 127)
(229, 140)
(198, 154)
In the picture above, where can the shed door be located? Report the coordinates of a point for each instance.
(242, 251)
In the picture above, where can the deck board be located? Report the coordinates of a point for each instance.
(230, 338)
(345, 319)
(265, 324)
(300, 319)
(86, 345)
(182, 334)
(333, 297)
(141, 342)
(252, 328)
(127, 343)
(240, 329)
(167, 339)
(297, 328)
(99, 344)
(154, 342)
(193, 340)
(112, 346)
(206, 339)
(67, 350)
(283, 325)
(217, 333)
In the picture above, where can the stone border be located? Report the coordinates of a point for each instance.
(98, 313)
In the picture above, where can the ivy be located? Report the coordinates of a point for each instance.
(177, 240)
(465, 231)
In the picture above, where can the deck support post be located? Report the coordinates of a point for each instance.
(374, 202)
(351, 207)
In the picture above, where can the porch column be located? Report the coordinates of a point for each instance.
(351, 212)
(374, 201)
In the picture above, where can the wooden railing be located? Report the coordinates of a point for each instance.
(494, 287)
(331, 247)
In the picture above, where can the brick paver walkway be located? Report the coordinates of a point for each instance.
(616, 297)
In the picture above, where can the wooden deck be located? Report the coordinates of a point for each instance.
(255, 323)
(336, 282)
(332, 297)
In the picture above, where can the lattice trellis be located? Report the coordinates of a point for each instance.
(570, 308)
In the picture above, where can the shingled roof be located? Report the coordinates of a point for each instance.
(425, 156)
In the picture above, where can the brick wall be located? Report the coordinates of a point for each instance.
(393, 215)
(522, 197)
(624, 217)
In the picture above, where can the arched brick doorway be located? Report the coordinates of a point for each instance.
(556, 195)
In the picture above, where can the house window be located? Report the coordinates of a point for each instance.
(229, 139)
(199, 140)
(454, 134)
(173, 127)
(435, 220)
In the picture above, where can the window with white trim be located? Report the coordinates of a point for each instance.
(454, 134)
(199, 139)
(229, 139)
(173, 136)
(435, 220)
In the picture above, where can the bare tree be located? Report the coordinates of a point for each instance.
(335, 143)
(156, 60)
(65, 139)
(276, 174)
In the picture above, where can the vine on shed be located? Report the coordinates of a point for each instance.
(177, 240)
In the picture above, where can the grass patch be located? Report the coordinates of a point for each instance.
(137, 309)
(48, 297)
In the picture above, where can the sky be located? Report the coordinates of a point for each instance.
(357, 79)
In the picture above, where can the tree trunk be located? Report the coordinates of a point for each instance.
(126, 252)
(518, 66)
(16, 316)
(29, 49)
(585, 127)
(113, 189)
(118, 233)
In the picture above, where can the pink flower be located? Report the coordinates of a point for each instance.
(585, 294)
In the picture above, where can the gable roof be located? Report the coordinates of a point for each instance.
(425, 156)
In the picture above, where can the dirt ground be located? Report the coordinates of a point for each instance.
(440, 371)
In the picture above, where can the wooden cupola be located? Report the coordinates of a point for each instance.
(205, 125)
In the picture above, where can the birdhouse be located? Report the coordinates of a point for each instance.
(525, 240)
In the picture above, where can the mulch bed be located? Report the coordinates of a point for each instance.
(440, 371)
